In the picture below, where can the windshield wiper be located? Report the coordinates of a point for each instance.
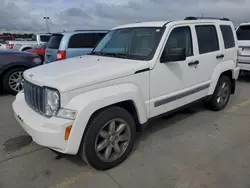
(96, 53)
(119, 55)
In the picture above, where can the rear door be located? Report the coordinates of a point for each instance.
(229, 46)
(209, 50)
(52, 48)
(83, 43)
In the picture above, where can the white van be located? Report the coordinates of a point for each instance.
(93, 105)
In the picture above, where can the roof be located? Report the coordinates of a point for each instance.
(81, 31)
(162, 23)
(246, 23)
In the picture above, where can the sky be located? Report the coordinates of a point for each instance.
(27, 15)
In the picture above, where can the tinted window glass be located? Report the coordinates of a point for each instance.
(54, 41)
(44, 38)
(132, 43)
(86, 40)
(180, 38)
(207, 38)
(228, 36)
(243, 32)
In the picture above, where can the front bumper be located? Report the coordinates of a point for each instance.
(48, 132)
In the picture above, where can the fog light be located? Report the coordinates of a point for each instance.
(67, 132)
(66, 114)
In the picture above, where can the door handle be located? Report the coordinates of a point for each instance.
(193, 63)
(220, 56)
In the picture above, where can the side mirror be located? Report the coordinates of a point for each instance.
(175, 54)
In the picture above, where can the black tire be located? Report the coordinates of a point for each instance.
(88, 151)
(6, 77)
(213, 103)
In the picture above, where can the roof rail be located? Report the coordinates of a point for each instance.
(205, 18)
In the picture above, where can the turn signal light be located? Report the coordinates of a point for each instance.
(67, 132)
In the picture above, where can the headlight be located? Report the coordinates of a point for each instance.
(52, 102)
(37, 60)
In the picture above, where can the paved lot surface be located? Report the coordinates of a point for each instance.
(194, 148)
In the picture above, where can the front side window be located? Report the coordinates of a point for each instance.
(132, 43)
(243, 32)
(180, 38)
(207, 38)
(228, 36)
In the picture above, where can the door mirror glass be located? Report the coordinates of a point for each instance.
(175, 54)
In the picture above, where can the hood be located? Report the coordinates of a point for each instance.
(82, 71)
(13, 52)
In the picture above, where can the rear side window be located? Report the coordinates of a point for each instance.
(243, 32)
(85, 40)
(55, 41)
(207, 38)
(45, 38)
(228, 36)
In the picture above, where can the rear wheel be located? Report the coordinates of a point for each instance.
(221, 94)
(109, 139)
(13, 80)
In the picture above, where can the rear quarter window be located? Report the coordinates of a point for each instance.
(85, 40)
(45, 38)
(55, 41)
(243, 32)
(207, 38)
(228, 36)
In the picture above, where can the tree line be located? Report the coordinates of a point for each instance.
(24, 35)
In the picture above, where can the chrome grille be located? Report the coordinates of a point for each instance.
(34, 96)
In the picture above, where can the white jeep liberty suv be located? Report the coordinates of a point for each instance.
(93, 105)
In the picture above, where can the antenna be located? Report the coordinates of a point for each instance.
(46, 18)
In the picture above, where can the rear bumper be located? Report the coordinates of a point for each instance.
(244, 62)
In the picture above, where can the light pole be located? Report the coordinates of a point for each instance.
(46, 18)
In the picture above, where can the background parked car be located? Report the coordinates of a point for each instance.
(40, 50)
(12, 66)
(70, 44)
(35, 41)
(4, 38)
(243, 35)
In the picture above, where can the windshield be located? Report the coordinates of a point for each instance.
(132, 43)
(243, 33)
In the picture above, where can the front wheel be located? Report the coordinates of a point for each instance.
(109, 139)
(13, 80)
(221, 94)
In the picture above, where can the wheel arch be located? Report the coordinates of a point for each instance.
(227, 69)
(90, 103)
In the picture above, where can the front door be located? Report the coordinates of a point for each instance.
(174, 84)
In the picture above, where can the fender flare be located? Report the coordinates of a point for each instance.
(220, 69)
(25, 46)
(88, 103)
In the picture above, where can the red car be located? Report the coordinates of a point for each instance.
(4, 38)
(39, 51)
